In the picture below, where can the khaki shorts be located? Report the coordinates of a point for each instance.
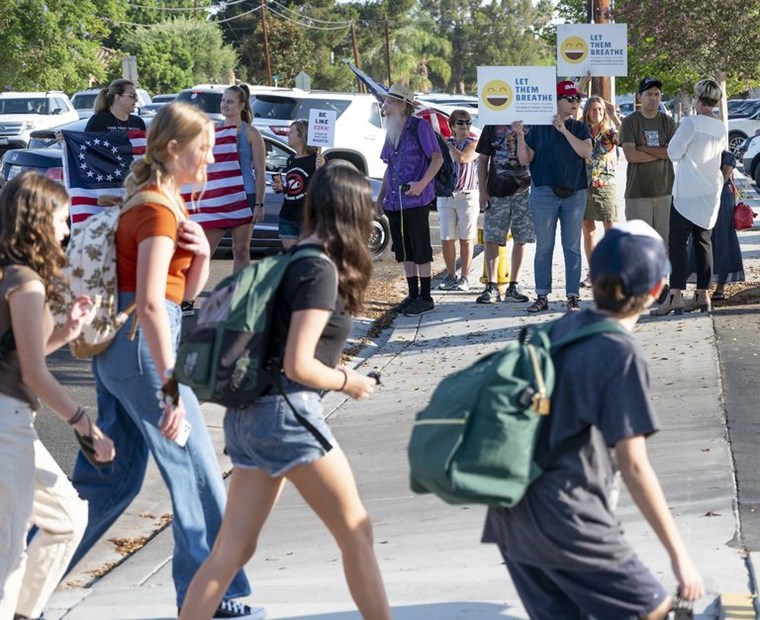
(601, 204)
(458, 216)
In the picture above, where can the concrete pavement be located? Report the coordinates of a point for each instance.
(432, 561)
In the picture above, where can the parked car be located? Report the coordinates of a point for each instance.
(749, 155)
(84, 100)
(48, 161)
(739, 129)
(359, 128)
(23, 112)
(163, 98)
(629, 106)
(742, 108)
(207, 97)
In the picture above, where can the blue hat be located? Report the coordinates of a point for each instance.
(634, 252)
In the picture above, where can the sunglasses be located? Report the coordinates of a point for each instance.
(572, 98)
(461, 122)
(130, 95)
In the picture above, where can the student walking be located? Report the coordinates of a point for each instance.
(162, 259)
(33, 490)
(283, 435)
(562, 544)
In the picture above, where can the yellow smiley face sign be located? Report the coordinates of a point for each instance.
(497, 95)
(574, 49)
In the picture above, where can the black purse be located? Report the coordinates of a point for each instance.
(561, 191)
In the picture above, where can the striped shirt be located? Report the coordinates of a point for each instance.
(467, 173)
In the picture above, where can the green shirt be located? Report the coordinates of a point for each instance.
(655, 178)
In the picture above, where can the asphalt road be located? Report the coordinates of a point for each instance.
(76, 374)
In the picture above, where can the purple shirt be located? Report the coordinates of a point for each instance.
(408, 163)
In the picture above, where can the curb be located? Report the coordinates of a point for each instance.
(736, 606)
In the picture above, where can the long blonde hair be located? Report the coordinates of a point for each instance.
(105, 97)
(606, 122)
(174, 121)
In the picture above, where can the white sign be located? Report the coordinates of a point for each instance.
(508, 94)
(321, 127)
(601, 49)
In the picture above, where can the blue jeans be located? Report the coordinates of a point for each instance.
(126, 381)
(547, 208)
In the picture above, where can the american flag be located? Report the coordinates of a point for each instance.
(438, 120)
(96, 164)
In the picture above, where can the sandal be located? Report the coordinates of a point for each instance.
(718, 297)
(541, 304)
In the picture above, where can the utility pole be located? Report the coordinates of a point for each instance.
(266, 40)
(357, 62)
(598, 12)
(388, 52)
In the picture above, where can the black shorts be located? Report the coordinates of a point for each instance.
(626, 592)
(410, 234)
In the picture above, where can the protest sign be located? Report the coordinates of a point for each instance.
(508, 94)
(601, 49)
(321, 128)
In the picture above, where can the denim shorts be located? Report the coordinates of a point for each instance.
(267, 435)
(289, 229)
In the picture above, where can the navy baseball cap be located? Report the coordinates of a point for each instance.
(649, 82)
(634, 252)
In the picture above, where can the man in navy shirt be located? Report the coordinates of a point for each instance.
(557, 156)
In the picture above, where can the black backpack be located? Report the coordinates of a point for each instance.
(446, 177)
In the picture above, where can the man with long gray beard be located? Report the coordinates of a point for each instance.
(408, 191)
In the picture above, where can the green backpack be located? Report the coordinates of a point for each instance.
(226, 359)
(475, 441)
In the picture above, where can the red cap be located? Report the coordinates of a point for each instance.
(566, 89)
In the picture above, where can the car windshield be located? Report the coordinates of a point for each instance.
(84, 102)
(292, 108)
(24, 106)
(208, 102)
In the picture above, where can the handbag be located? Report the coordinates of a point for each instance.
(744, 216)
(562, 192)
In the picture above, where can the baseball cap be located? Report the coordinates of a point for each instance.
(566, 88)
(634, 252)
(402, 93)
(649, 82)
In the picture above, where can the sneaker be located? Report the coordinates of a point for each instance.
(404, 304)
(449, 283)
(420, 306)
(489, 296)
(188, 308)
(586, 282)
(463, 284)
(513, 294)
(572, 304)
(20, 617)
(232, 609)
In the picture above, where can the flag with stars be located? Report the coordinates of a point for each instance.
(96, 164)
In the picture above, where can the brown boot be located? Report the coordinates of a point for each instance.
(673, 303)
(700, 301)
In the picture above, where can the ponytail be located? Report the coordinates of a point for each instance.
(101, 101)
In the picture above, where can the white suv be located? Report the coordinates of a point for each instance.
(21, 113)
(84, 100)
(359, 130)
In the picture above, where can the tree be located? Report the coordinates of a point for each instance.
(176, 54)
(54, 44)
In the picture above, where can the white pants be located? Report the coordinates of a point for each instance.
(33, 491)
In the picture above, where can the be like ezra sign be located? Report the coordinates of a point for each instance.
(601, 49)
(508, 94)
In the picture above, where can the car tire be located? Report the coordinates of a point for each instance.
(756, 175)
(735, 140)
(380, 237)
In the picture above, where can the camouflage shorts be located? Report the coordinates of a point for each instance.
(510, 214)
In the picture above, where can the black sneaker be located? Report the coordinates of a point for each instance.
(232, 609)
(20, 617)
(572, 304)
(489, 296)
(420, 306)
(513, 294)
(404, 304)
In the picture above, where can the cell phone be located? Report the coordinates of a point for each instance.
(405, 187)
(184, 431)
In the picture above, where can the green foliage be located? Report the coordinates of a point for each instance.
(53, 44)
(176, 54)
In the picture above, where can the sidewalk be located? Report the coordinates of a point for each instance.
(433, 563)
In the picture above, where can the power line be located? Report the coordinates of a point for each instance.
(309, 25)
(229, 19)
(311, 19)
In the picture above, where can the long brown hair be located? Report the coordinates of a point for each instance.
(244, 96)
(339, 212)
(174, 121)
(302, 129)
(105, 97)
(27, 233)
(606, 122)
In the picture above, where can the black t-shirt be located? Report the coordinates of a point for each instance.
(295, 181)
(506, 176)
(311, 283)
(601, 397)
(106, 121)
